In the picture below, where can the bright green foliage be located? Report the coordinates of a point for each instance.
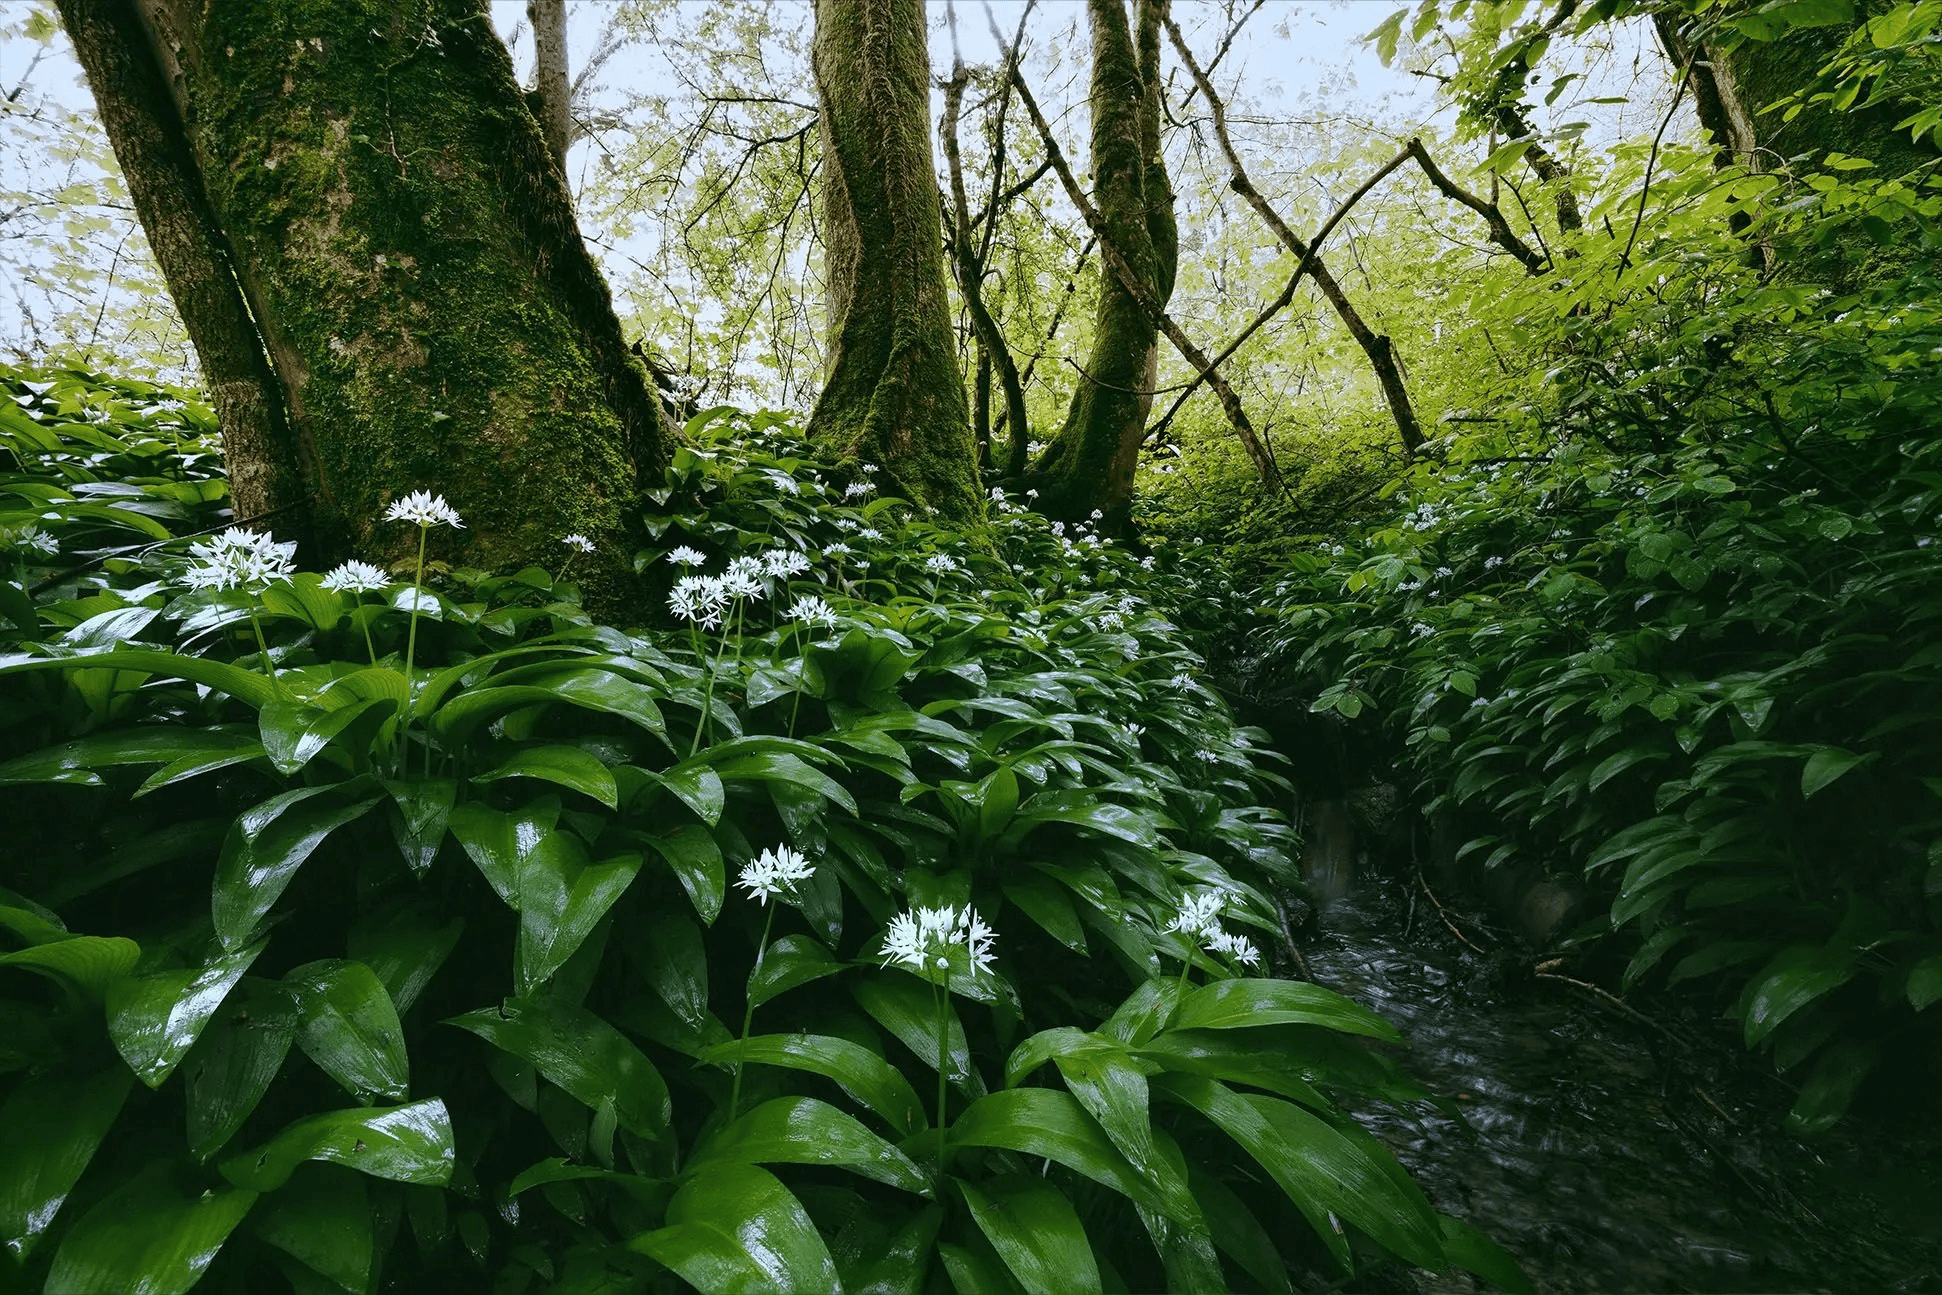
(432, 975)
(1670, 625)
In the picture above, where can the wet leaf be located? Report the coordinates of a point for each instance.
(266, 846)
(50, 1127)
(322, 1219)
(737, 1228)
(234, 1062)
(804, 1131)
(1795, 977)
(861, 1073)
(1236, 1004)
(347, 1024)
(582, 1054)
(91, 963)
(696, 861)
(565, 766)
(147, 1237)
(411, 1144)
(155, 1019)
(788, 962)
(1036, 1232)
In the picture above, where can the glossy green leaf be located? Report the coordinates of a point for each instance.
(244, 685)
(1036, 1232)
(91, 963)
(234, 1062)
(784, 767)
(1236, 1004)
(860, 1072)
(50, 1127)
(736, 1228)
(895, 1264)
(266, 846)
(1047, 1124)
(419, 813)
(1050, 905)
(698, 786)
(1141, 827)
(411, 1144)
(905, 1007)
(557, 1170)
(294, 733)
(322, 1218)
(1474, 1252)
(1322, 1169)
(151, 744)
(676, 963)
(802, 1130)
(1925, 982)
(1826, 765)
(1113, 1090)
(582, 1054)
(1240, 1234)
(154, 1019)
(146, 1238)
(565, 766)
(1795, 977)
(696, 861)
(790, 961)
(584, 686)
(1235, 1059)
(347, 1024)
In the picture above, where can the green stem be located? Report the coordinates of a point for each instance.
(263, 648)
(748, 1012)
(411, 639)
(1180, 990)
(369, 647)
(943, 1000)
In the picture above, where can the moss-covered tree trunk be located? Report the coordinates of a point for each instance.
(408, 252)
(1090, 462)
(893, 396)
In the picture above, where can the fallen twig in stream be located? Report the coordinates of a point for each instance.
(1288, 937)
(1443, 912)
(1608, 998)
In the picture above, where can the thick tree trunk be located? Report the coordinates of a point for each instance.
(409, 256)
(1090, 463)
(552, 87)
(893, 396)
(166, 185)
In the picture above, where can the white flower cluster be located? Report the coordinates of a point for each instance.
(423, 508)
(687, 557)
(783, 563)
(924, 938)
(577, 542)
(356, 577)
(34, 539)
(702, 599)
(1199, 920)
(940, 564)
(240, 559)
(774, 874)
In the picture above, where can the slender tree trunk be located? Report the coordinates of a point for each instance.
(409, 256)
(1090, 462)
(166, 185)
(552, 88)
(893, 395)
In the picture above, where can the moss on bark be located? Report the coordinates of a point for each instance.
(1090, 462)
(894, 395)
(410, 255)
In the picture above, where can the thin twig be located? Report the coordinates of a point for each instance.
(1288, 938)
(1443, 912)
(1609, 999)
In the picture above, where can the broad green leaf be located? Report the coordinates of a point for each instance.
(1050, 905)
(896, 1264)
(266, 846)
(696, 861)
(790, 961)
(234, 1061)
(50, 1126)
(405, 945)
(860, 1072)
(146, 1238)
(154, 1019)
(322, 1219)
(565, 766)
(419, 813)
(1040, 1048)
(1474, 1252)
(802, 1130)
(736, 1228)
(782, 766)
(294, 733)
(347, 1024)
(150, 744)
(244, 685)
(1139, 826)
(582, 1054)
(1237, 1232)
(92, 963)
(1831, 1086)
(411, 1144)
(907, 1009)
(1322, 1169)
(1824, 766)
(1925, 982)
(1113, 1091)
(1238, 1060)
(557, 1170)
(1046, 1124)
(1035, 1231)
(1795, 977)
(698, 786)
(1235, 1004)
(584, 686)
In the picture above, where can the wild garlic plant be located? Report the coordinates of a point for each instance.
(249, 561)
(1198, 919)
(356, 578)
(774, 874)
(424, 510)
(934, 942)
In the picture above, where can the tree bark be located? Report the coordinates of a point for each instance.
(552, 87)
(409, 257)
(1090, 462)
(893, 395)
(160, 168)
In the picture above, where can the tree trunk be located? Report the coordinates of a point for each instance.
(409, 256)
(1090, 462)
(163, 179)
(893, 395)
(552, 88)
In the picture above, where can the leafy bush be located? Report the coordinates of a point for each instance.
(1673, 628)
(428, 961)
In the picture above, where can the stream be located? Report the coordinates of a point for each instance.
(1605, 1155)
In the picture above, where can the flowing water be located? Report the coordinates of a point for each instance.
(1607, 1155)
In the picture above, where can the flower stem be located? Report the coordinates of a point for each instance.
(417, 592)
(748, 1013)
(369, 648)
(943, 999)
(263, 648)
(1180, 990)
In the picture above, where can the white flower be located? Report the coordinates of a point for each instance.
(702, 599)
(240, 559)
(33, 537)
(924, 939)
(775, 872)
(1134, 730)
(1238, 948)
(868, 533)
(1111, 622)
(1097, 515)
(1058, 528)
(423, 508)
(1182, 680)
(857, 489)
(687, 557)
(1443, 573)
(1419, 629)
(846, 523)
(940, 563)
(1198, 914)
(811, 610)
(1492, 563)
(1035, 448)
(1031, 494)
(1146, 563)
(869, 468)
(838, 551)
(783, 563)
(356, 577)
(577, 542)
(743, 579)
